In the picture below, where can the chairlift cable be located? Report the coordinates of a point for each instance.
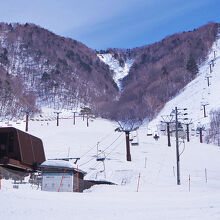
(182, 150)
(103, 150)
(97, 163)
(105, 137)
(112, 142)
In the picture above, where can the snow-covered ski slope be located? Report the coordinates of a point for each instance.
(158, 196)
(119, 72)
(197, 93)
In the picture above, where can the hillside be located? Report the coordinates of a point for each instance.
(201, 96)
(40, 69)
(161, 70)
(59, 72)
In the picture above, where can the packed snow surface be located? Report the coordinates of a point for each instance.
(119, 71)
(158, 196)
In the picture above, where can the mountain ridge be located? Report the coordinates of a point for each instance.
(60, 72)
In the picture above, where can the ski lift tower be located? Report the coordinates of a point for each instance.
(128, 126)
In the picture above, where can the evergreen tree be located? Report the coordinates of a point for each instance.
(191, 65)
(164, 71)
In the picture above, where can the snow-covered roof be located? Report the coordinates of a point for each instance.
(58, 164)
(62, 164)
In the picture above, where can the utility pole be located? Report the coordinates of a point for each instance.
(57, 117)
(177, 148)
(167, 119)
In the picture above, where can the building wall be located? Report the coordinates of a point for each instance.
(78, 184)
(51, 182)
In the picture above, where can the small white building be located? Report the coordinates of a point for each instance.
(61, 176)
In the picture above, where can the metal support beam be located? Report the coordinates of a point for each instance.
(128, 145)
(177, 149)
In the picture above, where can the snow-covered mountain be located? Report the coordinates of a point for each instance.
(202, 93)
(39, 68)
(57, 72)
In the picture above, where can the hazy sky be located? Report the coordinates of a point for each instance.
(101, 24)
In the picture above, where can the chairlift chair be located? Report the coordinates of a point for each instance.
(193, 131)
(149, 132)
(135, 140)
(131, 138)
(101, 158)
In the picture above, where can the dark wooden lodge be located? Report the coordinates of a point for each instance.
(19, 150)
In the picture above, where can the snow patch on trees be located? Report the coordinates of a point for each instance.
(120, 70)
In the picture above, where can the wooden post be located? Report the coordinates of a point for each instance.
(187, 132)
(87, 120)
(200, 134)
(57, 119)
(138, 181)
(210, 67)
(83, 116)
(26, 127)
(74, 118)
(173, 171)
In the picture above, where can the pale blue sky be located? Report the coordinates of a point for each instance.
(101, 24)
